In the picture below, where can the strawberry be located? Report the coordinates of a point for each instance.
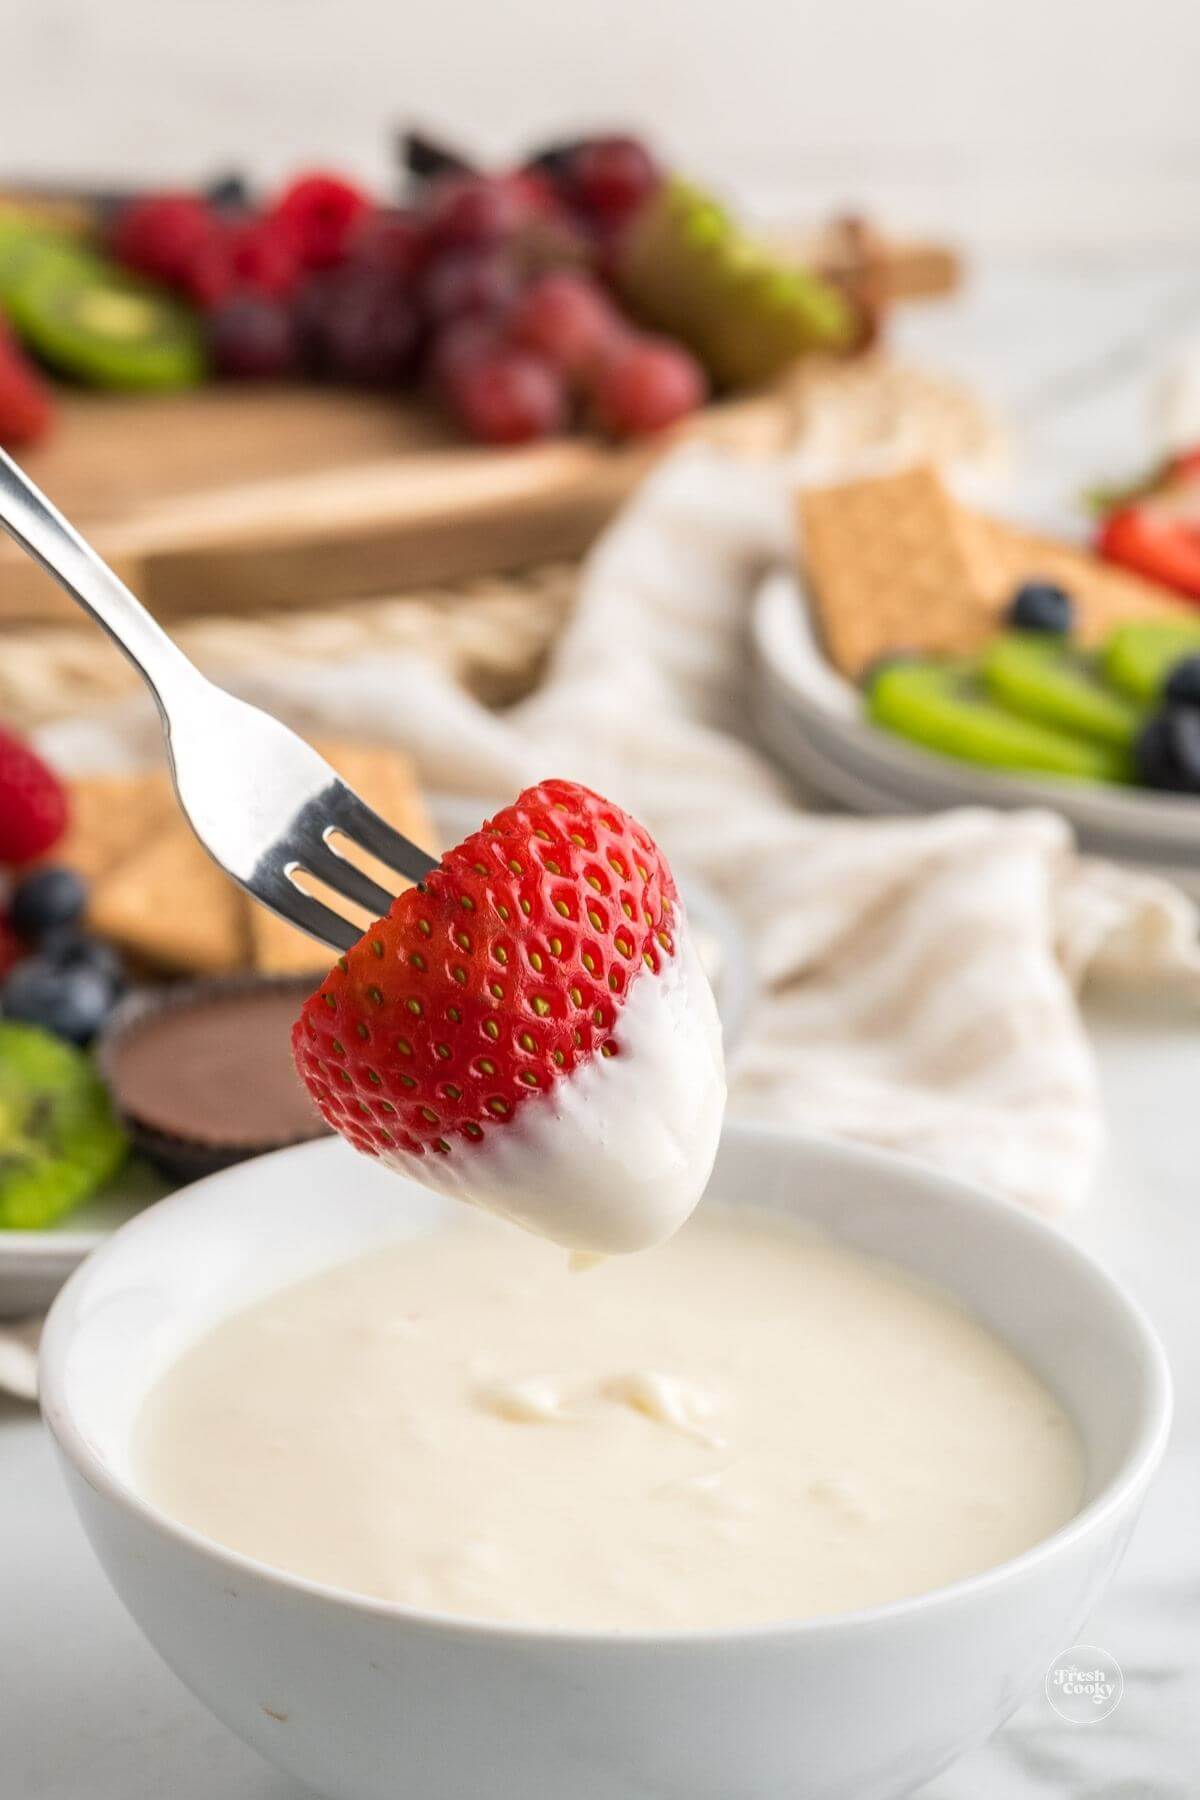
(26, 412)
(1154, 541)
(33, 802)
(498, 978)
(1153, 527)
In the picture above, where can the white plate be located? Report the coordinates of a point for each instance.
(813, 720)
(34, 1264)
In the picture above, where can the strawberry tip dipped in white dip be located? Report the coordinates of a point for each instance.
(531, 1030)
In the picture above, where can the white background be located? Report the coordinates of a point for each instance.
(1053, 123)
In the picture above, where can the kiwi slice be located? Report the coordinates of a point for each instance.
(59, 1138)
(946, 707)
(687, 268)
(1041, 677)
(1138, 657)
(23, 240)
(89, 320)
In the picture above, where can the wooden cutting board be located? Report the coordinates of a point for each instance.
(235, 498)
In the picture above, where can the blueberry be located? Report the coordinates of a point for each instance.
(1041, 606)
(46, 899)
(69, 948)
(71, 1003)
(1167, 751)
(1182, 686)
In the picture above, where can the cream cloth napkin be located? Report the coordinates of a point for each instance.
(917, 978)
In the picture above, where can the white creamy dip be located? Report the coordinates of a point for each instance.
(743, 1424)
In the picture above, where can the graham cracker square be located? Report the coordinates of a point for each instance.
(890, 566)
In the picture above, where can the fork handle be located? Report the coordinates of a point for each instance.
(40, 529)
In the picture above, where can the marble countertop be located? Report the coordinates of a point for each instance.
(87, 1712)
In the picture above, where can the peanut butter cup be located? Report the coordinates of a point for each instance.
(202, 1072)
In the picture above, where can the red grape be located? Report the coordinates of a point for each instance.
(458, 346)
(569, 319)
(610, 177)
(253, 338)
(358, 325)
(390, 239)
(534, 192)
(645, 384)
(371, 336)
(467, 281)
(474, 210)
(509, 397)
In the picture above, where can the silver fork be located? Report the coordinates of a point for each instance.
(264, 805)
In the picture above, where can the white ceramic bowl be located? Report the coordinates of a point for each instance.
(363, 1700)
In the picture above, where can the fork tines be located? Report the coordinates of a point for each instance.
(335, 811)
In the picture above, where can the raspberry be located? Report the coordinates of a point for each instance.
(264, 258)
(210, 278)
(255, 256)
(162, 235)
(321, 212)
(33, 802)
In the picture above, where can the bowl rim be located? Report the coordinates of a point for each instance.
(1124, 1486)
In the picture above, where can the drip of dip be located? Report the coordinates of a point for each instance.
(744, 1424)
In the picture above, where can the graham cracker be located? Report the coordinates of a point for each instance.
(384, 778)
(169, 904)
(110, 816)
(1104, 594)
(891, 565)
